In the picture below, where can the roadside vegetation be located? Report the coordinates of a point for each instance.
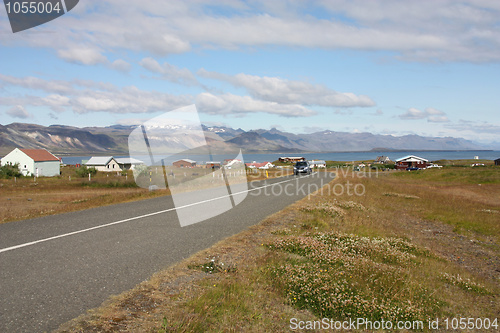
(415, 246)
(30, 197)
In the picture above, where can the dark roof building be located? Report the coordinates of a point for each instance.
(291, 159)
(411, 161)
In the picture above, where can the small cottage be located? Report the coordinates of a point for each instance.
(213, 165)
(382, 160)
(34, 162)
(184, 163)
(103, 163)
(128, 163)
(263, 165)
(291, 159)
(411, 161)
(318, 164)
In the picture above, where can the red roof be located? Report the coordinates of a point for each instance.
(39, 155)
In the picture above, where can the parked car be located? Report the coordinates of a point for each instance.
(302, 167)
(412, 168)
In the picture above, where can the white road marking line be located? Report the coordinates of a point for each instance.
(136, 218)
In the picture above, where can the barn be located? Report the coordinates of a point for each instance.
(411, 161)
(34, 162)
(184, 163)
(497, 161)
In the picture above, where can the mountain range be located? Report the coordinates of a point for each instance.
(113, 140)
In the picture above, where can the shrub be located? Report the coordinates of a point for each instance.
(141, 170)
(83, 171)
(10, 171)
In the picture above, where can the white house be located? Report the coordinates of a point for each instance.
(103, 163)
(128, 163)
(318, 164)
(229, 163)
(262, 166)
(34, 162)
(382, 160)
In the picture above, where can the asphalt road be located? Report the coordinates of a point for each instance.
(54, 268)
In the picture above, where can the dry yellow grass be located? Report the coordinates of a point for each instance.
(27, 197)
(24, 198)
(450, 223)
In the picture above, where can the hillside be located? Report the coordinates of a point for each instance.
(58, 139)
(113, 140)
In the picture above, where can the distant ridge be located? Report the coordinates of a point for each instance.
(253, 142)
(113, 140)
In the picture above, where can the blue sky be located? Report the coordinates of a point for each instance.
(387, 67)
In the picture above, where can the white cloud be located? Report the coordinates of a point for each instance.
(85, 56)
(475, 127)
(438, 119)
(434, 112)
(169, 72)
(127, 100)
(55, 86)
(56, 102)
(121, 65)
(412, 114)
(232, 104)
(432, 115)
(418, 30)
(283, 91)
(84, 96)
(18, 111)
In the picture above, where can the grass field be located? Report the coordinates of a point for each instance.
(414, 247)
(28, 197)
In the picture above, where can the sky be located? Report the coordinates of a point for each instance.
(391, 67)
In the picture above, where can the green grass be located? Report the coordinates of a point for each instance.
(476, 175)
(465, 198)
(223, 301)
(337, 275)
